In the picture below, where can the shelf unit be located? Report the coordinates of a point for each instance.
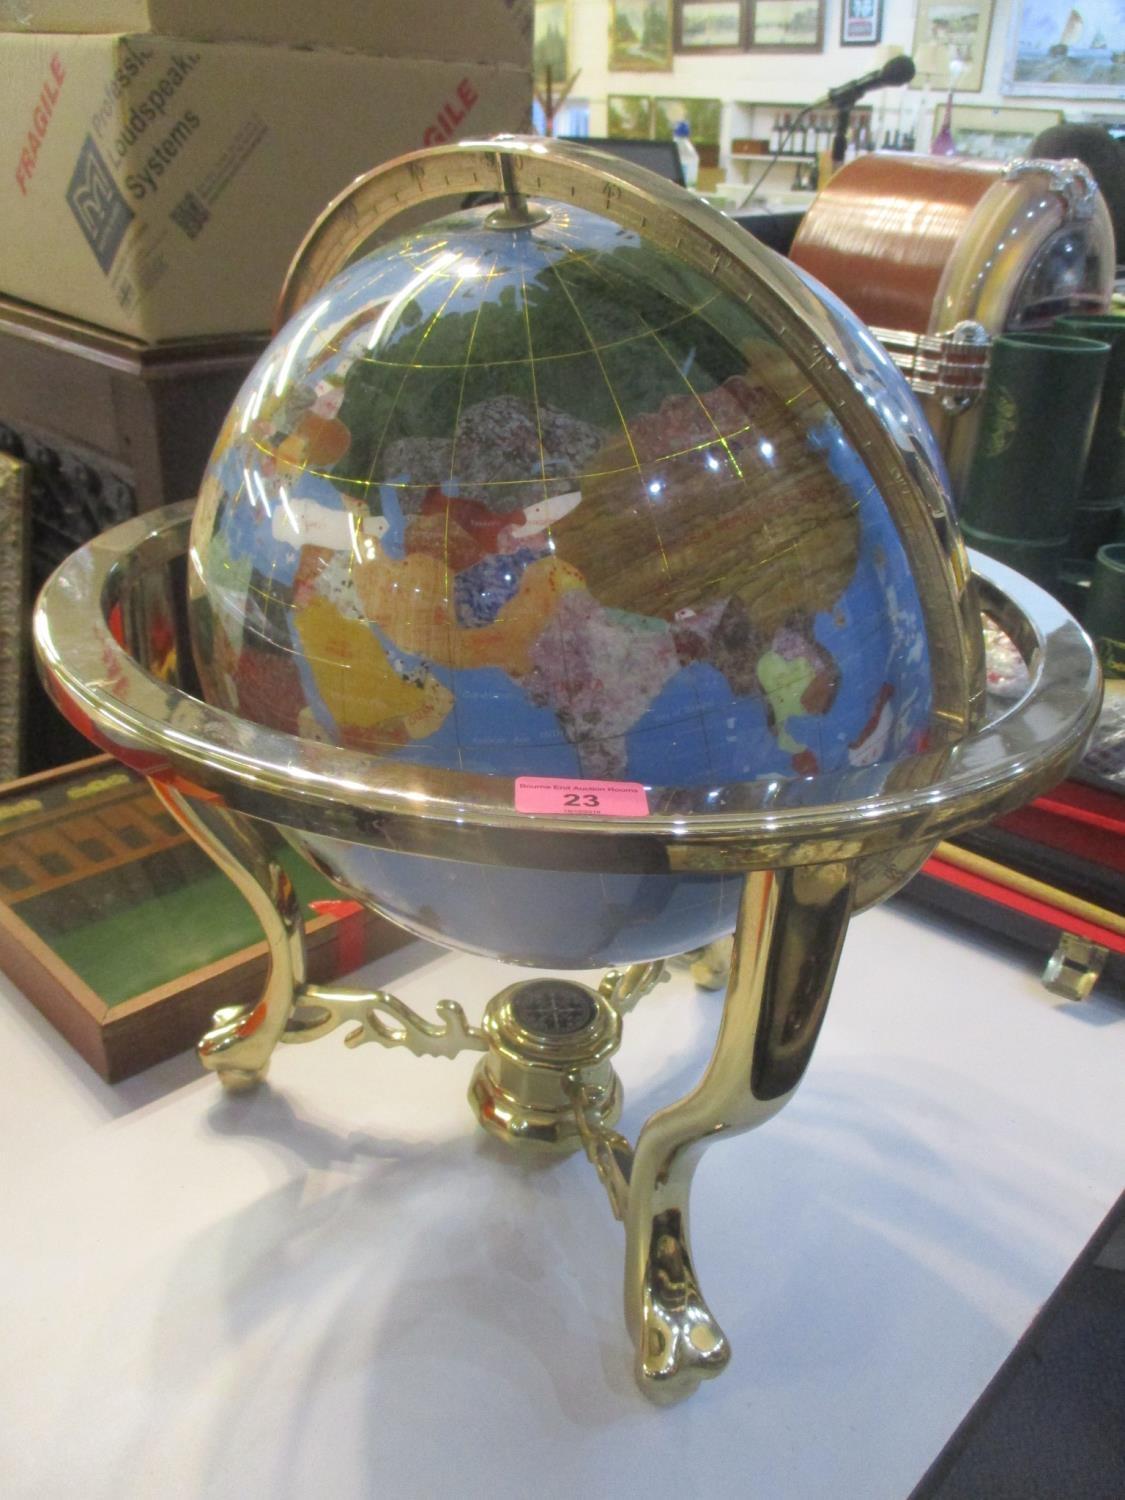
(756, 122)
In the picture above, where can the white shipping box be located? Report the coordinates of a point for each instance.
(497, 31)
(161, 188)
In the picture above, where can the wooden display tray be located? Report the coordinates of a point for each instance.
(121, 931)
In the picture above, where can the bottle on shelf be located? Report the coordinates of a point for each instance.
(689, 156)
(786, 142)
(775, 135)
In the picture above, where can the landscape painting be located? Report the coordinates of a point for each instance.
(640, 36)
(957, 31)
(629, 117)
(709, 26)
(552, 26)
(703, 117)
(787, 26)
(1066, 47)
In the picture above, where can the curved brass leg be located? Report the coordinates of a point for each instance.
(242, 1037)
(790, 931)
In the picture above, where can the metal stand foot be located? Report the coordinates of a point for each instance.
(790, 931)
(546, 1080)
(242, 1037)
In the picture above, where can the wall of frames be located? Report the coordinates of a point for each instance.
(727, 63)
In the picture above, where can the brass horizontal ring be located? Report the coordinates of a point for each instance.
(161, 730)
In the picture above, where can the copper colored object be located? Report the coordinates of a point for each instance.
(939, 255)
(882, 231)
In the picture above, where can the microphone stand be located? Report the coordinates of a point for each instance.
(843, 101)
(776, 157)
(840, 141)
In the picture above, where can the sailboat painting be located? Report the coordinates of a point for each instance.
(1072, 47)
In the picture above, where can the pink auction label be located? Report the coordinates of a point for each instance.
(599, 799)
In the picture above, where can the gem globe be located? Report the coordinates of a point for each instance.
(545, 501)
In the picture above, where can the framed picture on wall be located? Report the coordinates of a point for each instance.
(711, 25)
(861, 23)
(1057, 49)
(640, 36)
(951, 44)
(703, 117)
(629, 117)
(997, 134)
(551, 52)
(786, 25)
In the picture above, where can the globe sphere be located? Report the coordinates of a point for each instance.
(546, 501)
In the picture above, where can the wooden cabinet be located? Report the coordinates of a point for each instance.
(106, 426)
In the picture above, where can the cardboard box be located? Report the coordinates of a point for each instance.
(496, 31)
(160, 188)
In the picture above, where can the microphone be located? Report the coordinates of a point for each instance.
(898, 71)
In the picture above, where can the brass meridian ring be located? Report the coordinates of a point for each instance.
(806, 328)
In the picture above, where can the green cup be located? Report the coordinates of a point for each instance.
(1073, 587)
(1093, 525)
(1104, 478)
(1105, 611)
(1037, 419)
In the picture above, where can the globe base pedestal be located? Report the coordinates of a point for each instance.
(545, 1082)
(548, 1038)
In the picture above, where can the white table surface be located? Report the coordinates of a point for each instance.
(338, 1287)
